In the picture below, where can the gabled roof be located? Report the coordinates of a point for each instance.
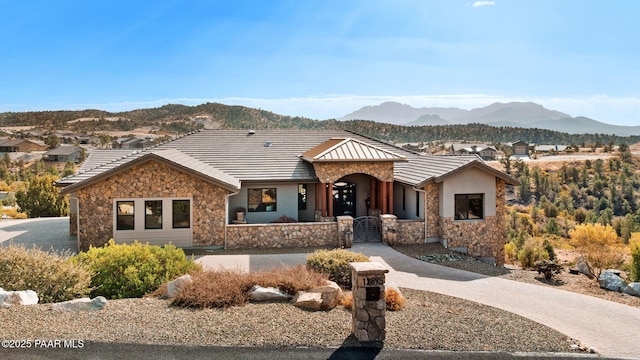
(63, 150)
(349, 149)
(275, 156)
(171, 157)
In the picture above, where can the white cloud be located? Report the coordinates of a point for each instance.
(483, 3)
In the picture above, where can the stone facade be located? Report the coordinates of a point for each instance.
(369, 303)
(481, 238)
(282, 235)
(432, 210)
(332, 172)
(143, 181)
(73, 224)
(410, 231)
(345, 231)
(389, 229)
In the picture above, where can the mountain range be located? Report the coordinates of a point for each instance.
(513, 114)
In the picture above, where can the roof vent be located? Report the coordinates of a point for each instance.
(267, 144)
(251, 132)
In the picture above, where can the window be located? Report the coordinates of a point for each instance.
(260, 200)
(125, 218)
(302, 196)
(417, 204)
(181, 214)
(153, 214)
(469, 206)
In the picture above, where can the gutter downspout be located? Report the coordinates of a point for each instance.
(424, 209)
(226, 215)
(77, 223)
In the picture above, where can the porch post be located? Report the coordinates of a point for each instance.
(384, 209)
(323, 200)
(390, 194)
(374, 190)
(330, 198)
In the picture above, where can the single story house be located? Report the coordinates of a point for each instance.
(64, 153)
(330, 186)
(21, 145)
(485, 151)
(520, 148)
(550, 148)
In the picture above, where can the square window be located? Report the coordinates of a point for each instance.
(469, 206)
(261, 200)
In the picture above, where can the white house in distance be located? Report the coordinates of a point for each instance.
(328, 186)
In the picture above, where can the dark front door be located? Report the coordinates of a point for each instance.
(344, 199)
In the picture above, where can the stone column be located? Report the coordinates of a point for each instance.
(389, 227)
(369, 304)
(345, 231)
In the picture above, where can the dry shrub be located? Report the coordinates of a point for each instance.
(335, 263)
(53, 276)
(225, 288)
(347, 300)
(394, 299)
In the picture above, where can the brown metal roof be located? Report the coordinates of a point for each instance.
(349, 149)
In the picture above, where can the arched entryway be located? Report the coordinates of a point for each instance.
(344, 198)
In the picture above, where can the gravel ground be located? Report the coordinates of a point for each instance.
(428, 321)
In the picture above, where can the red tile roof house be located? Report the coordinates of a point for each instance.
(339, 186)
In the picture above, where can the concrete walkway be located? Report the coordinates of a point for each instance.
(612, 329)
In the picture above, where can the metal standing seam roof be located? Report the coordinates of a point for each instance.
(274, 156)
(349, 149)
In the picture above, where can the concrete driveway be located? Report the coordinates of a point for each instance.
(45, 233)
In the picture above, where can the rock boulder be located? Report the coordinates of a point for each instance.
(259, 293)
(632, 289)
(610, 281)
(174, 286)
(24, 297)
(308, 300)
(320, 298)
(84, 304)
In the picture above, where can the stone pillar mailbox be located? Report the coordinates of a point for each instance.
(369, 304)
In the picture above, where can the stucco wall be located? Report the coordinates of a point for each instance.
(408, 211)
(286, 202)
(151, 180)
(469, 181)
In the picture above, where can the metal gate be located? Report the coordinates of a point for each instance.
(366, 228)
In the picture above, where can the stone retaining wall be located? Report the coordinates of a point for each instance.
(248, 236)
(410, 231)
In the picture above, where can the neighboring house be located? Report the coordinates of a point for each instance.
(550, 148)
(21, 145)
(64, 153)
(335, 184)
(87, 140)
(486, 152)
(130, 143)
(520, 148)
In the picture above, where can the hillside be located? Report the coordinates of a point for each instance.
(515, 114)
(180, 118)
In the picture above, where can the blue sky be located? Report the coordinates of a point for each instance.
(322, 59)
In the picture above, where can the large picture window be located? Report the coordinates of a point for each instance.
(126, 217)
(469, 206)
(260, 200)
(181, 214)
(153, 214)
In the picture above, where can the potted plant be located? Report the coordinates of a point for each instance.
(240, 211)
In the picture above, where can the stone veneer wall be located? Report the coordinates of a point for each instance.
(73, 224)
(410, 231)
(483, 238)
(151, 179)
(432, 210)
(241, 236)
(334, 171)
